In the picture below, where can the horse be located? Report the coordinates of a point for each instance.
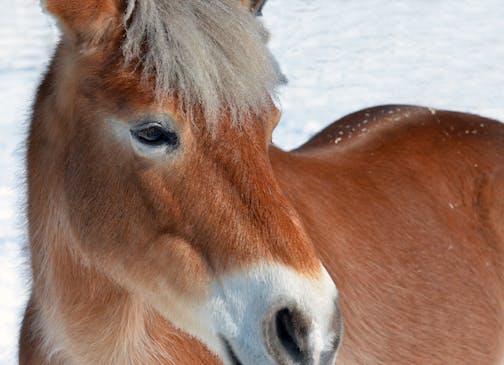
(165, 228)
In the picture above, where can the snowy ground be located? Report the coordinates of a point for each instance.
(339, 56)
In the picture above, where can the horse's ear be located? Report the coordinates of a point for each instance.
(255, 6)
(85, 19)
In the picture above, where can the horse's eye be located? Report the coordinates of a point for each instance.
(155, 135)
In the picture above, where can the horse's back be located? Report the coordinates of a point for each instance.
(412, 124)
(405, 206)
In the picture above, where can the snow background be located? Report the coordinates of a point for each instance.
(339, 56)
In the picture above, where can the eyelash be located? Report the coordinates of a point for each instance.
(155, 135)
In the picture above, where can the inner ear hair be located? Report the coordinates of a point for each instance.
(255, 6)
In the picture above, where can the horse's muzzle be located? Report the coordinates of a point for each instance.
(270, 314)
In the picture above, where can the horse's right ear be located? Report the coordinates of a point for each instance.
(255, 6)
(86, 19)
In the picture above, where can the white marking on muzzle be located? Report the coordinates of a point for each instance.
(241, 302)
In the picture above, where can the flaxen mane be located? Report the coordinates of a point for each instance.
(212, 52)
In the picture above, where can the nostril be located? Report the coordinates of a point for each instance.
(292, 332)
(286, 333)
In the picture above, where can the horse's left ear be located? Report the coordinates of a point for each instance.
(255, 6)
(86, 19)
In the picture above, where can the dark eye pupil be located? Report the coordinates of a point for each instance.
(151, 133)
(156, 136)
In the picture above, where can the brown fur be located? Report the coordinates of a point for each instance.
(402, 204)
(86, 22)
(404, 215)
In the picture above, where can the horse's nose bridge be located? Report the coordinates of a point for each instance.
(265, 224)
(279, 229)
(289, 244)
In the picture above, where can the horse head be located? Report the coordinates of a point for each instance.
(153, 126)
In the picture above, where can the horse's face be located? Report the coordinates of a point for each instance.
(186, 214)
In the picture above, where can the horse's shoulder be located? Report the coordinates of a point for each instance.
(425, 128)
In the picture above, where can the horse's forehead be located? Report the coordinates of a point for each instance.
(212, 53)
(124, 92)
(132, 69)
